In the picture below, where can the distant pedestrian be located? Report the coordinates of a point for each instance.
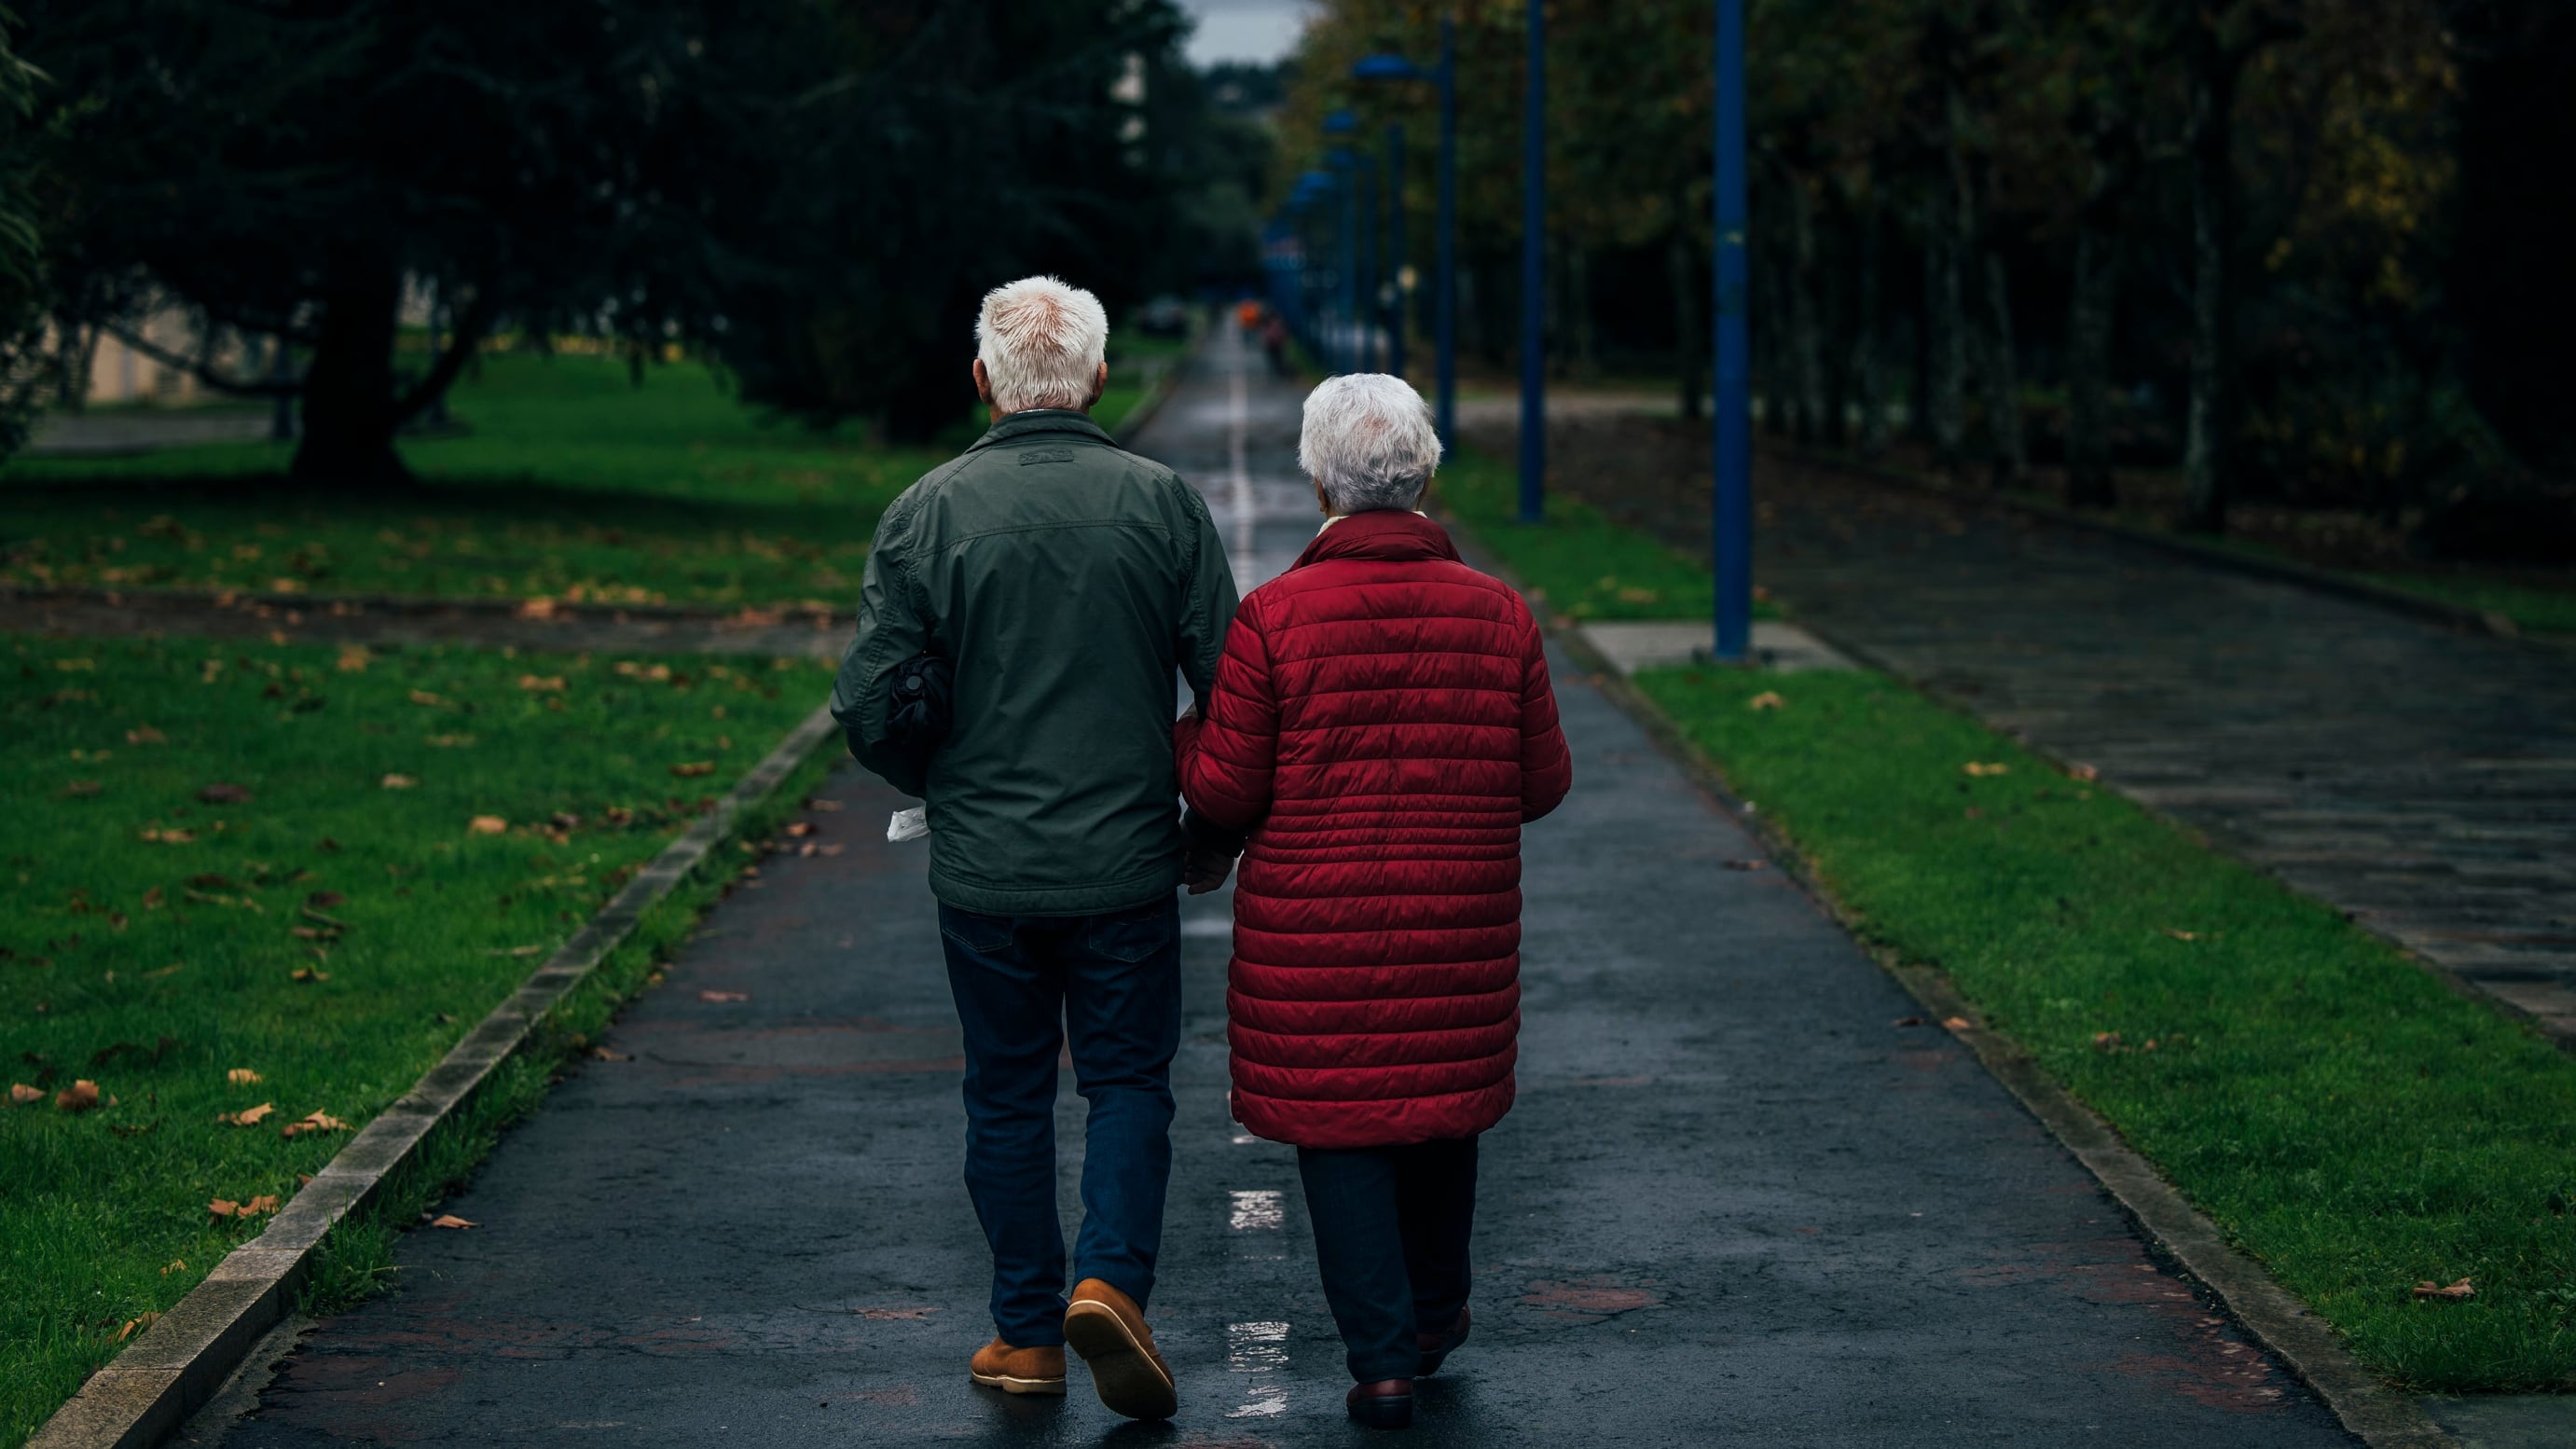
(1274, 341)
(1383, 726)
(1064, 581)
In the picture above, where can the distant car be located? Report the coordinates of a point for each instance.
(1164, 317)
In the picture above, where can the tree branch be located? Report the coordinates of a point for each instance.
(200, 369)
(469, 335)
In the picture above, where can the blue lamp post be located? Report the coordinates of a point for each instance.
(1444, 282)
(1534, 273)
(1731, 409)
(1398, 260)
(1340, 124)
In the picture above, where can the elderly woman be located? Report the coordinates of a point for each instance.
(1382, 726)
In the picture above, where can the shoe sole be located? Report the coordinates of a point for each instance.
(1129, 1381)
(1012, 1384)
(1380, 1414)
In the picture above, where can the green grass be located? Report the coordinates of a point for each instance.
(2332, 1107)
(567, 483)
(1578, 562)
(155, 966)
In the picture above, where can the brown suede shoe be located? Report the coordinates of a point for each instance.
(1105, 1327)
(997, 1365)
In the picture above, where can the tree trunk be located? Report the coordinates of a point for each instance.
(349, 388)
(2209, 138)
(2003, 379)
(1869, 388)
(1690, 334)
(1806, 342)
(2088, 365)
(1945, 315)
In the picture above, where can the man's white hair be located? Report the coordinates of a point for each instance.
(1041, 342)
(1368, 442)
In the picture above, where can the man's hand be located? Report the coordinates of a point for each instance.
(1205, 868)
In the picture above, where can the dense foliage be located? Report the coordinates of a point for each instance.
(2300, 248)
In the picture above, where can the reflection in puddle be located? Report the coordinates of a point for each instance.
(1260, 1350)
(1258, 1210)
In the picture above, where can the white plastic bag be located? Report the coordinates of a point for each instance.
(906, 825)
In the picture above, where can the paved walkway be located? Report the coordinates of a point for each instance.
(2421, 778)
(1738, 1202)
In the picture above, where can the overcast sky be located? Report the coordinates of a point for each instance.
(1257, 30)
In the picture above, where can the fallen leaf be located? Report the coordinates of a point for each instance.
(1766, 700)
(323, 900)
(20, 1094)
(448, 742)
(399, 782)
(1997, 768)
(152, 899)
(247, 1116)
(136, 1325)
(74, 666)
(822, 804)
(80, 1096)
(2084, 772)
(1747, 864)
(536, 607)
(78, 788)
(654, 672)
(224, 795)
(2108, 1041)
(800, 827)
(724, 996)
(1909, 1021)
(514, 950)
(541, 681)
(487, 825)
(1955, 1023)
(2182, 935)
(829, 849)
(694, 767)
(242, 1076)
(264, 1203)
(451, 1220)
(169, 837)
(145, 735)
(601, 1053)
(353, 658)
(177, 1265)
(316, 1120)
(307, 974)
(2452, 1294)
(423, 696)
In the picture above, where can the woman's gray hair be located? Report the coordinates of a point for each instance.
(1368, 442)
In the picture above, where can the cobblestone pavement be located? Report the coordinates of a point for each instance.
(2420, 778)
(1738, 1201)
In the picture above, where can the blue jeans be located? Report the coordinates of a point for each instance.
(1391, 1227)
(1027, 987)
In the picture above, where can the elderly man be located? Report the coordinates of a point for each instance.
(1383, 726)
(1064, 581)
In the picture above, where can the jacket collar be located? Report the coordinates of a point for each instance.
(1384, 535)
(1015, 426)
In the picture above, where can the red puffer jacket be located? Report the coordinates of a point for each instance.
(1383, 724)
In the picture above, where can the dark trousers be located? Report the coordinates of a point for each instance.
(1027, 988)
(1391, 1227)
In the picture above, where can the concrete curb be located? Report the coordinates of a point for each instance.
(138, 1399)
(2380, 1416)
(2458, 616)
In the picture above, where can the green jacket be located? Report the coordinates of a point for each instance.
(1066, 581)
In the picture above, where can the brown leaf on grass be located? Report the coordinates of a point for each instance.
(145, 735)
(74, 666)
(653, 673)
(451, 1220)
(224, 1207)
(423, 696)
(134, 1326)
(152, 899)
(324, 900)
(694, 767)
(2453, 1294)
(2083, 772)
(1767, 699)
(242, 1077)
(2108, 1041)
(247, 1116)
(724, 996)
(167, 837)
(1997, 768)
(541, 682)
(514, 950)
(353, 658)
(176, 1265)
(316, 1120)
(224, 795)
(80, 1096)
(78, 788)
(20, 1094)
(399, 782)
(307, 974)
(487, 825)
(536, 606)
(2180, 935)
(448, 742)
(618, 815)
(264, 1203)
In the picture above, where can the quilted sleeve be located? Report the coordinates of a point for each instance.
(1547, 768)
(1225, 759)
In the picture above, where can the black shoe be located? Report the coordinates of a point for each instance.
(1387, 1404)
(1436, 1347)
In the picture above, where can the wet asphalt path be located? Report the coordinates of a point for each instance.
(1736, 1204)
